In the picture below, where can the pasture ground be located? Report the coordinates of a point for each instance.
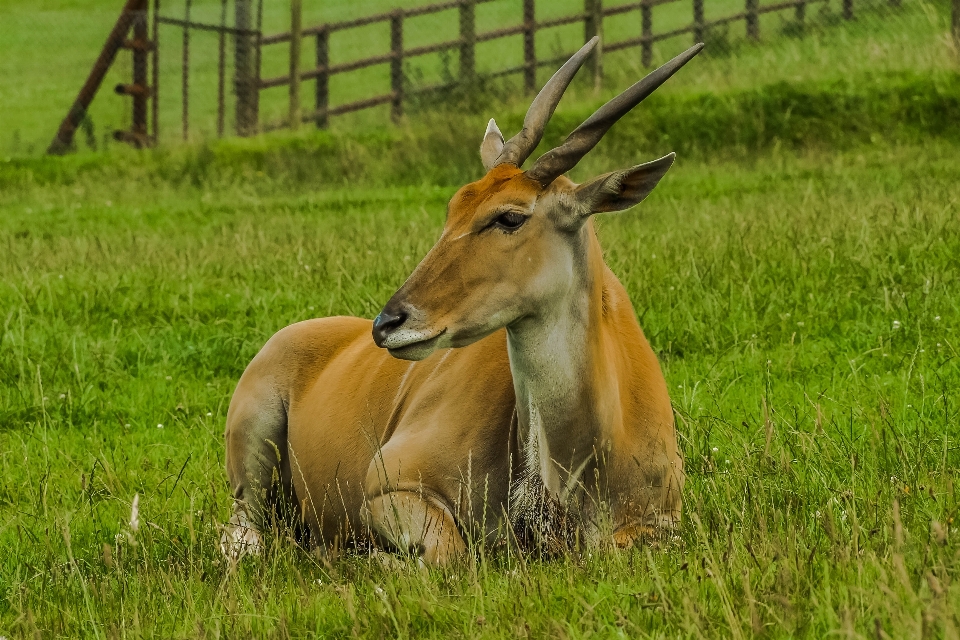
(797, 273)
(804, 307)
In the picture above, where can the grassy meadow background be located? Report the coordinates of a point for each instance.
(797, 273)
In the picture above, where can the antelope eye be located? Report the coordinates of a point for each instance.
(509, 221)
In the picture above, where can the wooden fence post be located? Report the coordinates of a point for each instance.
(753, 19)
(396, 65)
(468, 41)
(529, 46)
(956, 23)
(296, 40)
(848, 9)
(646, 33)
(256, 38)
(697, 21)
(221, 69)
(155, 72)
(323, 78)
(244, 85)
(139, 89)
(593, 26)
(140, 61)
(185, 86)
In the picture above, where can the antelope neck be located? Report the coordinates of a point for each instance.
(564, 390)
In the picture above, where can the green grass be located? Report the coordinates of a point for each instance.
(39, 81)
(804, 305)
(796, 272)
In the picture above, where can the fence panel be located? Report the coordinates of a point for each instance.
(249, 43)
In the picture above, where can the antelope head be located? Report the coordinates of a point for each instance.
(515, 242)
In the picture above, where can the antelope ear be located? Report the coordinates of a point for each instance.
(621, 190)
(491, 146)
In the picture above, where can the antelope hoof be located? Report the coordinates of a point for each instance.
(240, 538)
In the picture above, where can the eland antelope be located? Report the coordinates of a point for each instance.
(507, 388)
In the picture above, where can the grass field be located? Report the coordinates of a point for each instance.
(797, 273)
(804, 308)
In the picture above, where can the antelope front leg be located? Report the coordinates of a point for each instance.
(417, 524)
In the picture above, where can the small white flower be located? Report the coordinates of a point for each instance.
(936, 319)
(306, 267)
(800, 324)
(61, 276)
(753, 335)
(127, 426)
(672, 288)
(159, 426)
(769, 361)
(818, 514)
(311, 308)
(62, 396)
(896, 325)
(318, 581)
(939, 345)
(378, 590)
(727, 461)
(715, 449)
(886, 355)
(209, 414)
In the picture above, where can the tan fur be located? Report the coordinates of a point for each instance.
(423, 454)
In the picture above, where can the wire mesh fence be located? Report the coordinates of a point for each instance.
(209, 68)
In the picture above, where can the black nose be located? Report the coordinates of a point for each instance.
(385, 323)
